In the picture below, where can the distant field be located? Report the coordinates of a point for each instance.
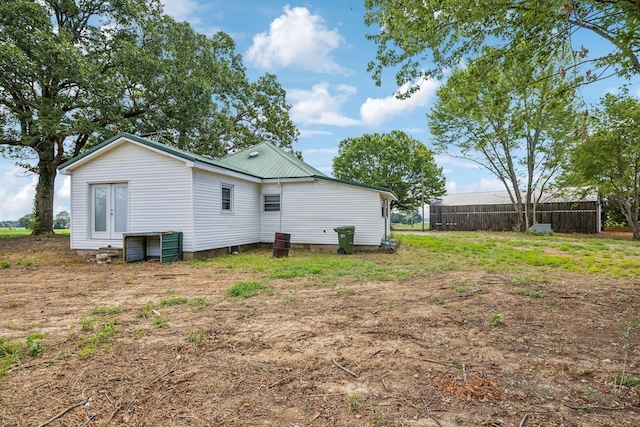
(17, 232)
(417, 226)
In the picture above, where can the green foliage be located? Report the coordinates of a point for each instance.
(197, 336)
(173, 300)
(514, 119)
(496, 319)
(609, 160)
(160, 322)
(146, 311)
(200, 302)
(62, 220)
(245, 289)
(12, 353)
(106, 311)
(76, 72)
(87, 323)
(105, 334)
(26, 221)
(395, 161)
(5, 264)
(626, 380)
(422, 39)
(354, 400)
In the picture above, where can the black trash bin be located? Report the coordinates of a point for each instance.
(345, 238)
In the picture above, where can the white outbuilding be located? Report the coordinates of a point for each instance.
(130, 185)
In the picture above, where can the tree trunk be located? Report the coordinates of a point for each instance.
(45, 190)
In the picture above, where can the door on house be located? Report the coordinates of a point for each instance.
(109, 210)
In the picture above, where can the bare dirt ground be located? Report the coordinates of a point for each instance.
(412, 352)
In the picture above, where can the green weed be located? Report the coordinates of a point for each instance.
(104, 310)
(160, 322)
(626, 380)
(147, 310)
(354, 401)
(200, 302)
(245, 289)
(379, 414)
(12, 353)
(5, 264)
(173, 300)
(530, 293)
(196, 336)
(87, 323)
(496, 319)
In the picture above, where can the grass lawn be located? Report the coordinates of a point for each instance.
(17, 232)
(454, 329)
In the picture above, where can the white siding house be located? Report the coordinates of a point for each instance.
(130, 184)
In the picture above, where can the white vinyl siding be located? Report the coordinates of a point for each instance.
(159, 193)
(311, 210)
(216, 228)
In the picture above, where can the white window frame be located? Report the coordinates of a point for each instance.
(222, 200)
(271, 203)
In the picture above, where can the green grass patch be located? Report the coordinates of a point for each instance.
(197, 336)
(201, 302)
(245, 289)
(524, 255)
(21, 232)
(106, 311)
(12, 353)
(173, 300)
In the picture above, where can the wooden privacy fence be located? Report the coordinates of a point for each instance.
(565, 217)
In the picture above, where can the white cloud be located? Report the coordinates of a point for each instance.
(319, 106)
(63, 194)
(377, 110)
(451, 187)
(16, 194)
(307, 133)
(297, 39)
(192, 12)
(455, 162)
(183, 10)
(333, 150)
(485, 184)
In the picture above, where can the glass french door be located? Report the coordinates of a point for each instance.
(109, 210)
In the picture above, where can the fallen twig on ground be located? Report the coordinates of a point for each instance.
(62, 413)
(426, 407)
(343, 368)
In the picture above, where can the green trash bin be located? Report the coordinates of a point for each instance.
(345, 238)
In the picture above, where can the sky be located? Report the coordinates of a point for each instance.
(319, 52)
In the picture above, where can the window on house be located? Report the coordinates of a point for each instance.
(271, 202)
(227, 198)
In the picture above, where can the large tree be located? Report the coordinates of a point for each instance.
(75, 72)
(424, 37)
(492, 114)
(395, 161)
(609, 159)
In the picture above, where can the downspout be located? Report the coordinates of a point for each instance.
(280, 212)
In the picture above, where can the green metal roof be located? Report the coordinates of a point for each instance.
(265, 160)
